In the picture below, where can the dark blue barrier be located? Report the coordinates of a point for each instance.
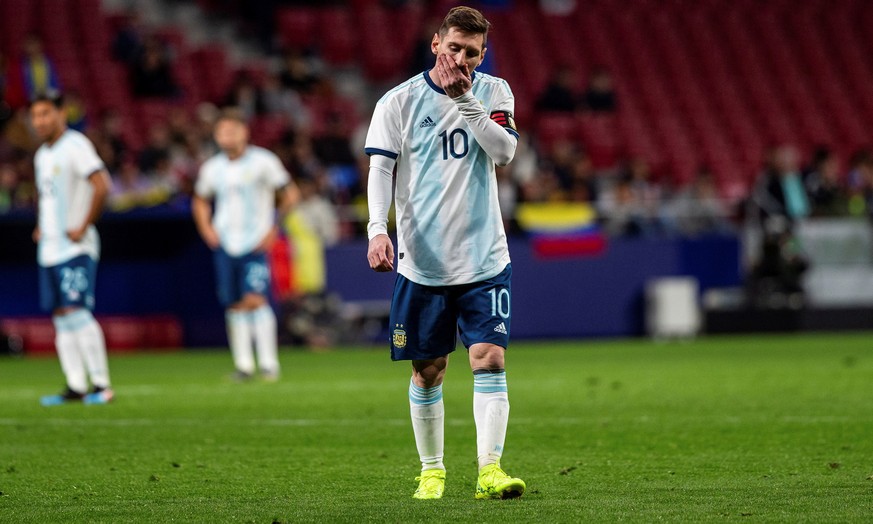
(154, 263)
(572, 297)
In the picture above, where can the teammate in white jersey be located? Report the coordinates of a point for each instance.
(245, 181)
(444, 130)
(73, 184)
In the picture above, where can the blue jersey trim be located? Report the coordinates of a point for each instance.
(377, 151)
(512, 132)
(439, 89)
(432, 85)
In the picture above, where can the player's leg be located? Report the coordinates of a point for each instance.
(423, 323)
(261, 315)
(427, 411)
(69, 357)
(490, 401)
(239, 333)
(484, 322)
(88, 333)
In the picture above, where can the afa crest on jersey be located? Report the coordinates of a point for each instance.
(399, 338)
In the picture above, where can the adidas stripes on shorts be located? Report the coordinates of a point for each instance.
(425, 320)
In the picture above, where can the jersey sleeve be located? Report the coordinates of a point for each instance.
(85, 159)
(277, 175)
(204, 187)
(503, 109)
(384, 137)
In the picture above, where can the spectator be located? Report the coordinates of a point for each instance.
(130, 189)
(298, 73)
(109, 140)
(779, 196)
(157, 149)
(129, 41)
(77, 117)
(245, 95)
(827, 194)
(151, 74)
(862, 174)
(599, 96)
(697, 208)
(647, 193)
(8, 185)
(422, 54)
(35, 74)
(279, 100)
(623, 213)
(5, 108)
(583, 185)
(560, 93)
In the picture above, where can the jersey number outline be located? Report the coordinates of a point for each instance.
(450, 141)
(499, 306)
(73, 280)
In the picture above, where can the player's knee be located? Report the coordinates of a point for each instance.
(250, 301)
(487, 356)
(427, 374)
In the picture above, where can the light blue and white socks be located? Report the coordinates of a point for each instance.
(81, 350)
(263, 322)
(491, 413)
(239, 337)
(428, 420)
(247, 327)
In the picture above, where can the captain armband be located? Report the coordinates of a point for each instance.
(504, 119)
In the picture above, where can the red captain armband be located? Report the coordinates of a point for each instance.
(504, 119)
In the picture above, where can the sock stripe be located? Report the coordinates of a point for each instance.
(491, 383)
(78, 319)
(261, 312)
(425, 396)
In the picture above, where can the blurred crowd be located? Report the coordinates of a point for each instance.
(297, 112)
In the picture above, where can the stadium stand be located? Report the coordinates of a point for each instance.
(714, 83)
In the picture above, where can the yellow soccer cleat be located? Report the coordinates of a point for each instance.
(494, 483)
(431, 485)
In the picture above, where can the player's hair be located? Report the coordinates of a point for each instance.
(234, 114)
(51, 96)
(467, 20)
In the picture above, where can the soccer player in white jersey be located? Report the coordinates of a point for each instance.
(73, 184)
(246, 182)
(444, 130)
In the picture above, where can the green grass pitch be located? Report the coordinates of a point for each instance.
(723, 429)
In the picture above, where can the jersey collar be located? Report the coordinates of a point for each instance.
(437, 88)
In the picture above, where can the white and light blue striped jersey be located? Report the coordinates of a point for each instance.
(245, 196)
(62, 171)
(449, 227)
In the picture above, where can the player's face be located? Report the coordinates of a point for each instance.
(463, 48)
(47, 120)
(231, 135)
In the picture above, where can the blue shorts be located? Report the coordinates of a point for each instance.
(69, 284)
(426, 320)
(238, 276)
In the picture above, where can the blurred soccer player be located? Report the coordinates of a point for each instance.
(445, 130)
(73, 184)
(245, 181)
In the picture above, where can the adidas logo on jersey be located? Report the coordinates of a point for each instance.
(501, 328)
(427, 122)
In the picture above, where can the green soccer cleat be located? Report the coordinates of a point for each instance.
(494, 483)
(431, 485)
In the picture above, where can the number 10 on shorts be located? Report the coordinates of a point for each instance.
(499, 302)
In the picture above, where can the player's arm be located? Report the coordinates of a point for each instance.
(201, 208)
(287, 197)
(100, 183)
(495, 133)
(380, 252)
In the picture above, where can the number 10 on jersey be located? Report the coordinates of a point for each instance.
(454, 146)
